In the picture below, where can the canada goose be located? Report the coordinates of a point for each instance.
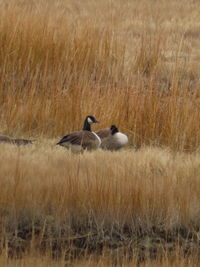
(84, 139)
(111, 138)
(6, 139)
(21, 142)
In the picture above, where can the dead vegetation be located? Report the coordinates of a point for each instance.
(134, 205)
(131, 63)
(138, 61)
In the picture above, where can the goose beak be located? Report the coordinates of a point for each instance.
(96, 121)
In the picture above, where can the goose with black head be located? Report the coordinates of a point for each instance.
(85, 139)
(112, 139)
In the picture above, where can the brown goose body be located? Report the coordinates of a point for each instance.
(104, 133)
(20, 142)
(82, 140)
(112, 139)
(78, 141)
(6, 139)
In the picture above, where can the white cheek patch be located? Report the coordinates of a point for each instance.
(89, 120)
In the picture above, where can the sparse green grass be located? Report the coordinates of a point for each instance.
(130, 63)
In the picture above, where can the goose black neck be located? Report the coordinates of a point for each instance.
(86, 126)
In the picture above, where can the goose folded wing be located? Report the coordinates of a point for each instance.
(78, 138)
(104, 133)
(70, 138)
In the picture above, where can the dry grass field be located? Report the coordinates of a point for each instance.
(132, 205)
(128, 62)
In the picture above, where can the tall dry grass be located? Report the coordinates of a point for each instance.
(134, 205)
(46, 261)
(131, 63)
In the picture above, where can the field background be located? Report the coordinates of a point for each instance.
(135, 64)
